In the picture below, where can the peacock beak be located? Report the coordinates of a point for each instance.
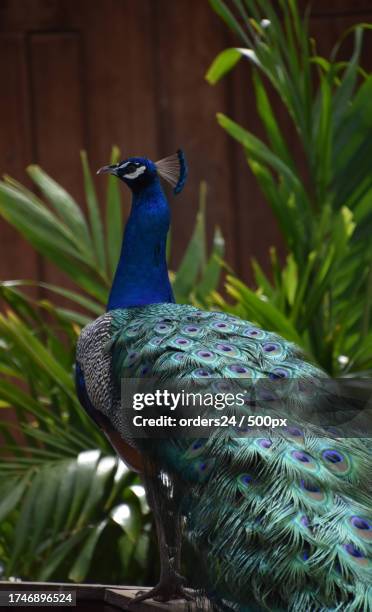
(107, 169)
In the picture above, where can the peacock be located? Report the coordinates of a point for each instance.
(280, 520)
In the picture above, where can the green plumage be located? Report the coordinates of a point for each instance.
(282, 522)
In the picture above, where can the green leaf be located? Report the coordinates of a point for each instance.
(75, 297)
(60, 553)
(38, 224)
(66, 314)
(34, 348)
(114, 216)
(269, 121)
(222, 64)
(212, 272)
(261, 310)
(63, 203)
(323, 139)
(10, 500)
(290, 279)
(86, 466)
(22, 534)
(81, 566)
(44, 505)
(288, 216)
(18, 398)
(65, 493)
(299, 301)
(344, 92)
(51, 238)
(224, 12)
(125, 516)
(258, 150)
(262, 282)
(104, 470)
(94, 214)
(194, 259)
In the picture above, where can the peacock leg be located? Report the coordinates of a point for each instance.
(165, 504)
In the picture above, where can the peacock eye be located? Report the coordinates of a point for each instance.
(130, 168)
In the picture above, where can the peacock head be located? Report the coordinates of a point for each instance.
(139, 172)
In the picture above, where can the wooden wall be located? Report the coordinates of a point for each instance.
(90, 73)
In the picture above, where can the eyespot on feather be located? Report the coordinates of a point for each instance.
(355, 555)
(312, 491)
(362, 527)
(196, 449)
(336, 461)
(306, 461)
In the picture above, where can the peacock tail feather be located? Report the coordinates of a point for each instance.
(282, 521)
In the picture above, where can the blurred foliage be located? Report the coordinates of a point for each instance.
(321, 297)
(64, 499)
(66, 502)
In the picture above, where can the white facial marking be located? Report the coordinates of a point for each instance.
(136, 173)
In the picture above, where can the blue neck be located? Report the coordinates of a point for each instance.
(141, 277)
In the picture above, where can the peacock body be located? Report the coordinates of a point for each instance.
(280, 521)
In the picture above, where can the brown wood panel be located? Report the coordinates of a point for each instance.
(257, 229)
(57, 114)
(338, 7)
(118, 77)
(327, 32)
(43, 15)
(57, 104)
(189, 35)
(17, 259)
